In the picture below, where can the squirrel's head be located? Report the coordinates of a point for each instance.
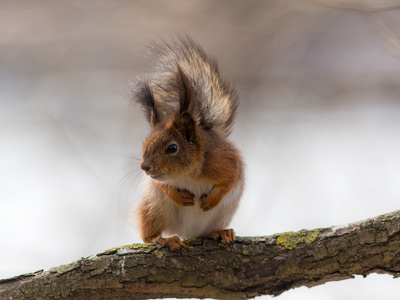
(174, 147)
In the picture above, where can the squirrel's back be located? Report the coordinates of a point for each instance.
(215, 100)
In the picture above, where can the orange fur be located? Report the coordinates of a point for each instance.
(151, 221)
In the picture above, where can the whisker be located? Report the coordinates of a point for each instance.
(131, 156)
(125, 184)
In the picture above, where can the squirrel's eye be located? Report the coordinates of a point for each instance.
(172, 149)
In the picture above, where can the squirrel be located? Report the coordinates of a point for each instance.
(195, 175)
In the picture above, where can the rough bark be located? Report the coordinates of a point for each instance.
(248, 268)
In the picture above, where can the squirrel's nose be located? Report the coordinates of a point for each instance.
(145, 166)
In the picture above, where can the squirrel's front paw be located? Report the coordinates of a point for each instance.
(186, 198)
(208, 202)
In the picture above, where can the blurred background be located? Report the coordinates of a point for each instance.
(319, 122)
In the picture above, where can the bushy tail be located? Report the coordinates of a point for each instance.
(215, 100)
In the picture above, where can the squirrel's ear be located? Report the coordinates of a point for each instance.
(144, 96)
(187, 126)
(184, 117)
(185, 92)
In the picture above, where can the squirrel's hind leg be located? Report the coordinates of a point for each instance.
(227, 235)
(151, 221)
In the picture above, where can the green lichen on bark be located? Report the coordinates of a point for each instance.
(158, 253)
(291, 239)
(131, 246)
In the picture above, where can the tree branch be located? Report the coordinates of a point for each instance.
(248, 268)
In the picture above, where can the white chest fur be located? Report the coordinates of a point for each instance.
(192, 221)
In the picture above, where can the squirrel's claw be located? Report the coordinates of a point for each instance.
(186, 197)
(227, 235)
(208, 202)
(173, 243)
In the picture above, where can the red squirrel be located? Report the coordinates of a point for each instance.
(195, 175)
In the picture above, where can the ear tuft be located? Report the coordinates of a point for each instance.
(184, 117)
(185, 91)
(188, 128)
(144, 96)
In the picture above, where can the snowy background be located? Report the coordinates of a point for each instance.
(319, 122)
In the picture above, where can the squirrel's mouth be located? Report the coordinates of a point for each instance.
(156, 176)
